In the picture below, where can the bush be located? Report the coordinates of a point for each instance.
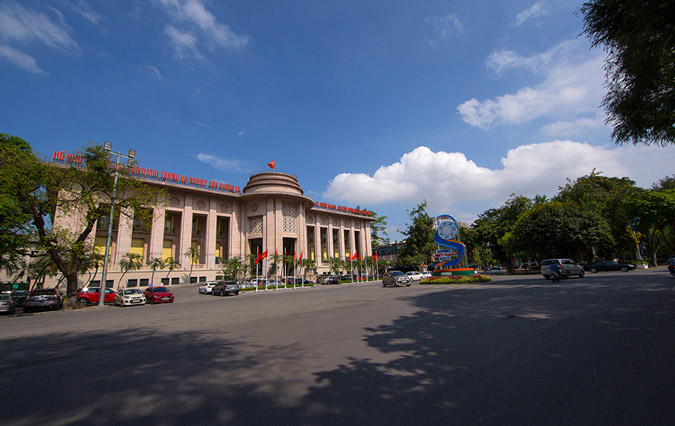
(457, 279)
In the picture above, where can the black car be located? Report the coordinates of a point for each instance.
(43, 298)
(608, 265)
(223, 288)
(20, 296)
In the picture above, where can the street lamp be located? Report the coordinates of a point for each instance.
(130, 160)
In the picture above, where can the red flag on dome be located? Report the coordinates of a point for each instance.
(271, 164)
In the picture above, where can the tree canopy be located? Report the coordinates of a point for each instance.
(419, 243)
(37, 195)
(638, 36)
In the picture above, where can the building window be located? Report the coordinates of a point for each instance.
(255, 224)
(202, 279)
(175, 281)
(290, 214)
(144, 282)
(132, 283)
(193, 280)
(165, 281)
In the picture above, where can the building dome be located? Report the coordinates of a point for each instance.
(272, 183)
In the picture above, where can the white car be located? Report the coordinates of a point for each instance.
(414, 275)
(128, 297)
(207, 288)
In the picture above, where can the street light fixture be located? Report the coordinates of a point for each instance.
(130, 157)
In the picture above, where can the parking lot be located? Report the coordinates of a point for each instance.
(597, 350)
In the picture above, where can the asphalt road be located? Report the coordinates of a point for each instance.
(598, 350)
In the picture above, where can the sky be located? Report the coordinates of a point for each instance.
(373, 104)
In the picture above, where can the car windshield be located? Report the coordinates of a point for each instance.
(550, 262)
(160, 290)
(4, 296)
(396, 273)
(43, 292)
(132, 291)
(21, 293)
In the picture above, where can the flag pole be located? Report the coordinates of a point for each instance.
(257, 276)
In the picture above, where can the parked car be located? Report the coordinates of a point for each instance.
(91, 296)
(608, 265)
(7, 303)
(129, 297)
(207, 288)
(43, 298)
(223, 288)
(414, 275)
(565, 267)
(158, 295)
(328, 279)
(395, 279)
(426, 274)
(20, 296)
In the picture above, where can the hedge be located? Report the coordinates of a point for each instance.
(457, 279)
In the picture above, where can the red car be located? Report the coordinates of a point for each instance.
(91, 296)
(158, 295)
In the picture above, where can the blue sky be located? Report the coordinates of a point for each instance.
(369, 103)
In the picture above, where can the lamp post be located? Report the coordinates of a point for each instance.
(130, 158)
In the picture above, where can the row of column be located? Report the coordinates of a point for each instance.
(364, 242)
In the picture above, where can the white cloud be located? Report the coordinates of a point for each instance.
(154, 71)
(444, 28)
(450, 180)
(85, 10)
(20, 59)
(535, 11)
(572, 86)
(199, 123)
(24, 25)
(224, 164)
(194, 13)
(576, 127)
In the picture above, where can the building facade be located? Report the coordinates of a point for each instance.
(271, 214)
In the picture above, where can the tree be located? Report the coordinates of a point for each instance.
(638, 36)
(557, 229)
(45, 192)
(336, 265)
(155, 263)
(419, 243)
(307, 265)
(275, 260)
(378, 232)
(130, 262)
(234, 269)
(667, 182)
(656, 212)
(192, 254)
(170, 263)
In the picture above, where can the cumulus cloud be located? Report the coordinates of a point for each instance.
(443, 28)
(449, 179)
(535, 11)
(572, 86)
(193, 13)
(224, 164)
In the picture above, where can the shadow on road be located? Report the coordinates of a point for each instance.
(517, 356)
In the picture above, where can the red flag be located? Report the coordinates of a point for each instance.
(284, 255)
(301, 255)
(271, 164)
(276, 252)
(375, 257)
(264, 255)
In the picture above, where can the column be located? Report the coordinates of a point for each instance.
(157, 232)
(318, 250)
(210, 249)
(124, 230)
(185, 232)
(341, 240)
(329, 238)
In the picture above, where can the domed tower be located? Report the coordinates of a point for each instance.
(275, 210)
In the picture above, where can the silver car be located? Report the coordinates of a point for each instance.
(7, 303)
(129, 297)
(395, 279)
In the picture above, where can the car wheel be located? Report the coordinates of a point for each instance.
(236, 293)
(26, 310)
(581, 274)
(407, 285)
(82, 302)
(624, 269)
(567, 275)
(594, 270)
(222, 293)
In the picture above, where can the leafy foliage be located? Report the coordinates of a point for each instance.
(638, 36)
(419, 243)
(457, 279)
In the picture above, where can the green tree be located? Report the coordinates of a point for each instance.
(656, 211)
(557, 229)
(638, 36)
(235, 268)
(307, 265)
(493, 224)
(81, 190)
(336, 265)
(419, 243)
(275, 260)
(192, 254)
(130, 262)
(155, 263)
(170, 263)
(378, 230)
